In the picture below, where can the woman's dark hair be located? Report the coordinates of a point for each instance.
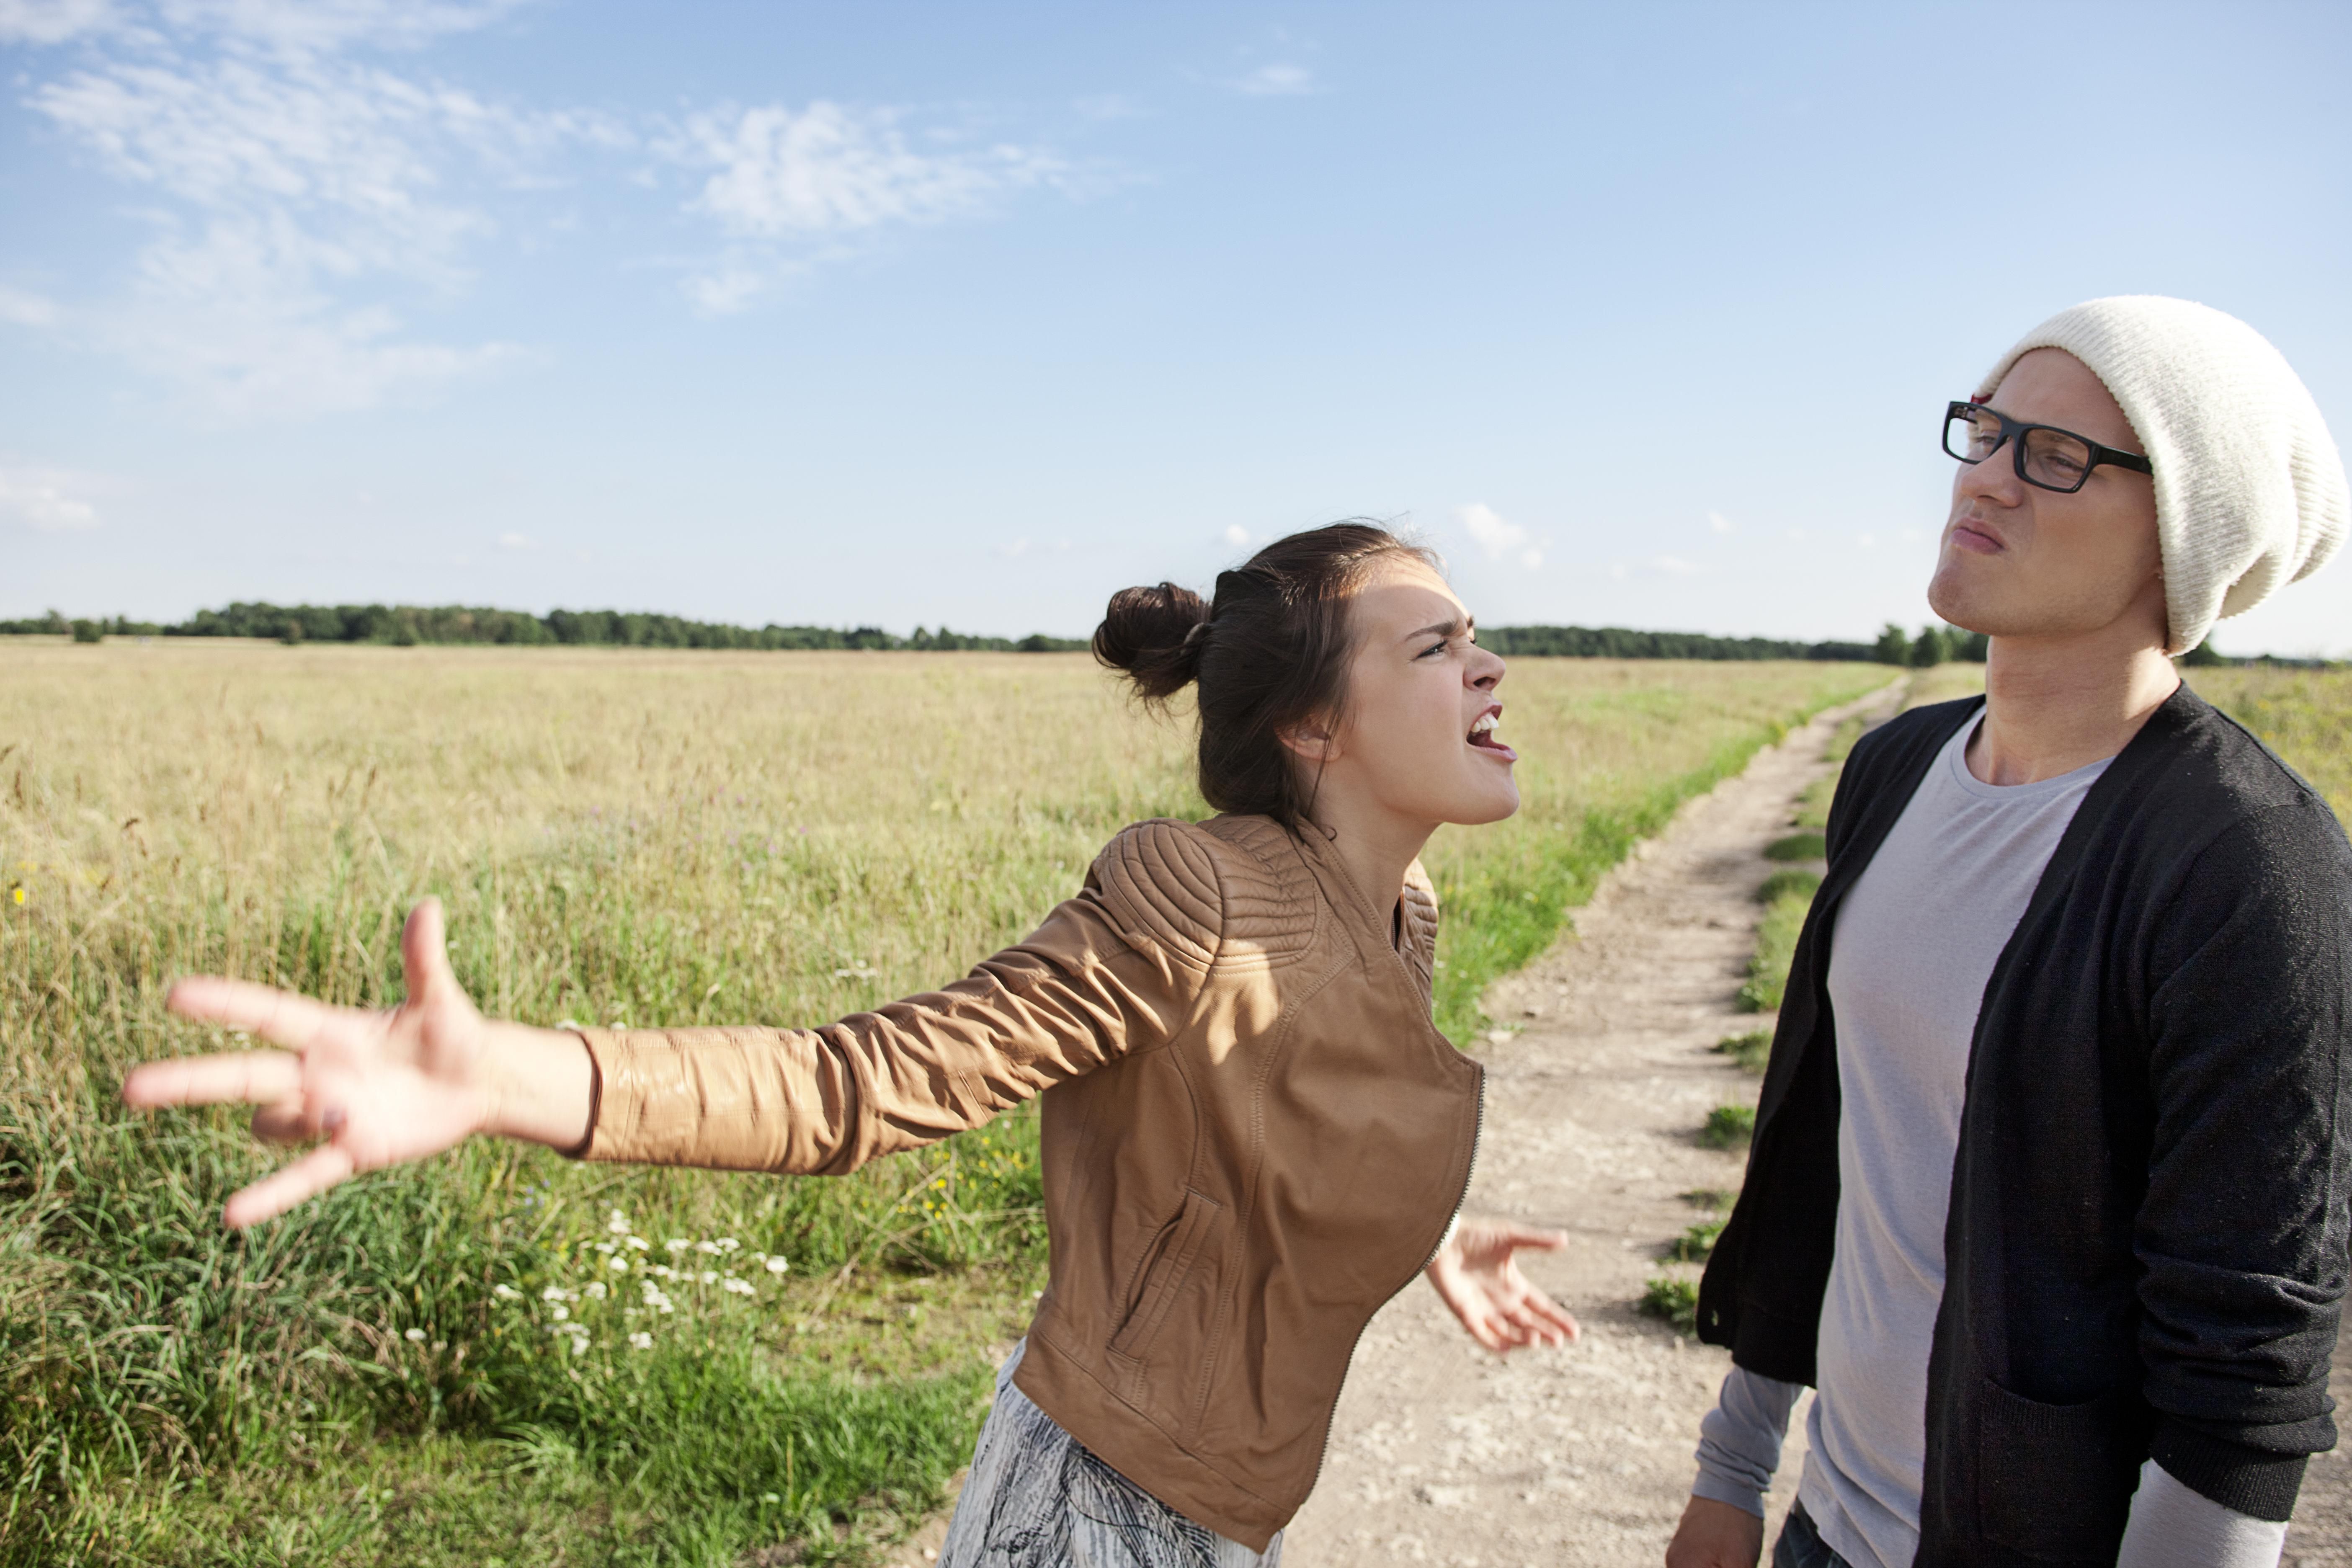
(1269, 653)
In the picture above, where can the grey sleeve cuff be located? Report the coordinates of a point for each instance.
(1740, 1440)
(2175, 1525)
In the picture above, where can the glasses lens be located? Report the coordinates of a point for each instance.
(1972, 434)
(2054, 459)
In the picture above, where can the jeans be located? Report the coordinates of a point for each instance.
(1800, 1545)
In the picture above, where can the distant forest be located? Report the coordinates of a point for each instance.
(406, 625)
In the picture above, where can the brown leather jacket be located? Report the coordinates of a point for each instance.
(1253, 1137)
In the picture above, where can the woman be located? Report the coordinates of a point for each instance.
(1252, 1134)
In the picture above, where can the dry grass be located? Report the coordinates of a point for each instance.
(630, 837)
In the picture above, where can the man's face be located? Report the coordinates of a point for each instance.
(2018, 560)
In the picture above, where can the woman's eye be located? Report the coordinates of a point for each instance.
(1435, 648)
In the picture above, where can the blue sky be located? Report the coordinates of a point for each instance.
(910, 314)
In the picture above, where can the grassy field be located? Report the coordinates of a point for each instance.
(499, 1357)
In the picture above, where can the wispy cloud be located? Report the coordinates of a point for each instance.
(786, 183)
(1720, 523)
(308, 189)
(517, 542)
(1281, 80)
(1497, 537)
(300, 193)
(1236, 536)
(54, 501)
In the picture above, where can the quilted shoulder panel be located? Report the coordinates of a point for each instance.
(1420, 903)
(1272, 898)
(1160, 880)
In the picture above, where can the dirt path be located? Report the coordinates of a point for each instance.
(1443, 1454)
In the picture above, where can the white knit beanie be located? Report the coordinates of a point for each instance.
(2250, 490)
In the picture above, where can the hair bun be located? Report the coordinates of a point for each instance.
(1154, 636)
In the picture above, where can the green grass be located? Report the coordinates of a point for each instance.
(1776, 947)
(1751, 1048)
(1674, 1298)
(1696, 1242)
(1791, 882)
(1727, 1127)
(1797, 846)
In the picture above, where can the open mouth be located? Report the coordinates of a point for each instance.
(1482, 735)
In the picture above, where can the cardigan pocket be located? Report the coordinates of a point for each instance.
(2055, 1481)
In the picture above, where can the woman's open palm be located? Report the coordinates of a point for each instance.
(1477, 1274)
(380, 1088)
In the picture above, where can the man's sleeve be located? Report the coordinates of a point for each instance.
(2242, 1234)
(1740, 1440)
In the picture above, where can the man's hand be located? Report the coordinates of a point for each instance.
(381, 1089)
(1477, 1276)
(1715, 1535)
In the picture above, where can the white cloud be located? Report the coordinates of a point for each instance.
(1673, 565)
(1720, 523)
(1496, 537)
(1015, 549)
(783, 183)
(298, 190)
(1278, 81)
(517, 542)
(1867, 540)
(1236, 536)
(54, 501)
(23, 309)
(53, 21)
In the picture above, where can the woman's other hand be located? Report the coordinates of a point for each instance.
(381, 1089)
(1478, 1276)
(1715, 1535)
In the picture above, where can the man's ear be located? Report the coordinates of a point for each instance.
(1310, 743)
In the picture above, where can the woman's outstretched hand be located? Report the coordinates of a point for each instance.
(1478, 1276)
(381, 1089)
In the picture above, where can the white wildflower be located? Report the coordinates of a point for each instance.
(728, 1244)
(619, 1224)
(711, 1247)
(738, 1286)
(597, 1291)
(580, 1345)
(415, 1336)
(638, 1243)
(617, 1264)
(553, 1293)
(777, 1266)
(641, 1342)
(506, 1292)
(664, 1270)
(710, 1276)
(561, 1313)
(679, 1243)
(604, 1247)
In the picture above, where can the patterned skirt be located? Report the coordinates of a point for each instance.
(1037, 1499)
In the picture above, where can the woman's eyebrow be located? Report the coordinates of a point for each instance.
(1442, 628)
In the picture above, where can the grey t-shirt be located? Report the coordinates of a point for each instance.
(1913, 947)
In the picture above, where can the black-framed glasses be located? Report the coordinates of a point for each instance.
(2045, 456)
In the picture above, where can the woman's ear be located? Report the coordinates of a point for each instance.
(1310, 743)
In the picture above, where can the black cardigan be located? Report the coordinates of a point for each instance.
(2146, 1251)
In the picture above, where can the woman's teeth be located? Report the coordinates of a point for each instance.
(1482, 733)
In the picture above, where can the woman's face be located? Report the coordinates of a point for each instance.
(1417, 739)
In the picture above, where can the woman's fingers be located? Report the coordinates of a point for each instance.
(282, 1018)
(249, 1076)
(305, 1179)
(424, 953)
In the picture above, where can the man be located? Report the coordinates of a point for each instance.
(2048, 1196)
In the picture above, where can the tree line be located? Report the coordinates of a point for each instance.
(407, 626)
